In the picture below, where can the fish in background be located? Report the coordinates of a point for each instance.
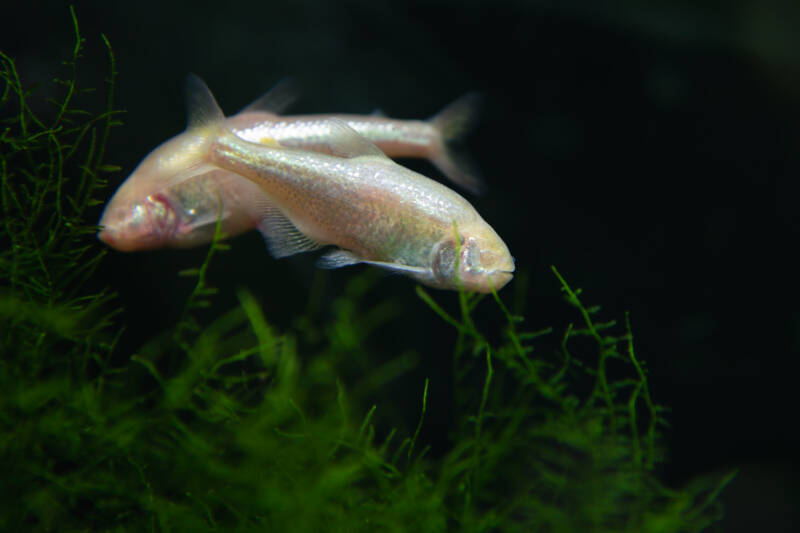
(432, 139)
(174, 196)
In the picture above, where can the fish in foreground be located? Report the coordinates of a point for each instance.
(173, 198)
(357, 199)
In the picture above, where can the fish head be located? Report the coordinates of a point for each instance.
(480, 262)
(144, 214)
(140, 223)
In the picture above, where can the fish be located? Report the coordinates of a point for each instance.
(356, 199)
(432, 139)
(174, 197)
(156, 208)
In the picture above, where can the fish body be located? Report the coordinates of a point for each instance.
(429, 139)
(374, 210)
(173, 197)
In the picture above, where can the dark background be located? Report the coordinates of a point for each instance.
(649, 151)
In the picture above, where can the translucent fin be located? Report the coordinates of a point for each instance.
(276, 100)
(399, 268)
(201, 107)
(459, 168)
(340, 258)
(188, 173)
(453, 123)
(344, 141)
(282, 237)
(337, 259)
(458, 118)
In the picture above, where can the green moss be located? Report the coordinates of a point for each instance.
(227, 426)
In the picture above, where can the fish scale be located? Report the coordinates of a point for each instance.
(374, 210)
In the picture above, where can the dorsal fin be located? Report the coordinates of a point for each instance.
(201, 107)
(344, 141)
(276, 100)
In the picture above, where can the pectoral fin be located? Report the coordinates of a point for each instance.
(282, 236)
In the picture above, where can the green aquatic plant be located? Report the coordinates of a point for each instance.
(574, 448)
(230, 424)
(51, 167)
(55, 335)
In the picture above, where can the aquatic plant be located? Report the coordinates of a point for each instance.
(51, 168)
(229, 424)
(574, 448)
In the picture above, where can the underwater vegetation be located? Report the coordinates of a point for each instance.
(230, 424)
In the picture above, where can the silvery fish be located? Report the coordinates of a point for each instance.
(173, 198)
(371, 209)
(431, 139)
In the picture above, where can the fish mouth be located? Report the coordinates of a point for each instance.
(116, 240)
(108, 236)
(498, 279)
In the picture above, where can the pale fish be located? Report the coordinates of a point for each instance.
(373, 210)
(173, 198)
(431, 139)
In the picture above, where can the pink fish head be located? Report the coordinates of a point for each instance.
(132, 224)
(145, 213)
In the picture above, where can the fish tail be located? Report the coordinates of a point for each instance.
(453, 123)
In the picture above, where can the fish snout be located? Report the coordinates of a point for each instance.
(108, 236)
(139, 226)
(120, 240)
(499, 278)
(498, 266)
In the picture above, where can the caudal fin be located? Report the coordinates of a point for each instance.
(454, 122)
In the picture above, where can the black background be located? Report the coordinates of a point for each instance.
(650, 151)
